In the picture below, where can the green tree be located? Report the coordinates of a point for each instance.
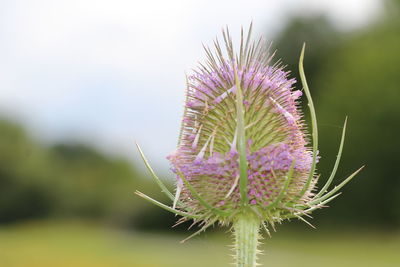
(23, 189)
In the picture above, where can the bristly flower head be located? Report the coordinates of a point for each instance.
(243, 144)
(208, 152)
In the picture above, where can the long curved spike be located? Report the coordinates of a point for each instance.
(241, 46)
(177, 195)
(164, 189)
(336, 188)
(246, 48)
(321, 204)
(313, 123)
(161, 205)
(306, 211)
(241, 142)
(196, 195)
(266, 228)
(235, 182)
(305, 221)
(199, 231)
(335, 167)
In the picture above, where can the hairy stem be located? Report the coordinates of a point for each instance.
(246, 230)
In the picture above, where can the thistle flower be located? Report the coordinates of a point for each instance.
(243, 157)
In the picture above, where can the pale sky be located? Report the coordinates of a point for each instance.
(112, 72)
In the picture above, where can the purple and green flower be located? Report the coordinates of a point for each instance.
(244, 156)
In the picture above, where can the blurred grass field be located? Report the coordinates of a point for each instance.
(82, 244)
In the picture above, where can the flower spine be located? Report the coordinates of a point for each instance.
(243, 157)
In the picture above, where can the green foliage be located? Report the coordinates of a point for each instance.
(65, 180)
(361, 79)
(24, 192)
(320, 37)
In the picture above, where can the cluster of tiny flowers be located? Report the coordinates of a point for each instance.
(207, 155)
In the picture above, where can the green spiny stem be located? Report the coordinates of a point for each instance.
(246, 230)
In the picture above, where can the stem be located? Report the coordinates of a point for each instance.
(246, 230)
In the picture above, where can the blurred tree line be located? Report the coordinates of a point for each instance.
(64, 181)
(355, 74)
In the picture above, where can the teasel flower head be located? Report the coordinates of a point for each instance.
(243, 149)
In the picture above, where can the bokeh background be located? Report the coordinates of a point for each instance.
(81, 81)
